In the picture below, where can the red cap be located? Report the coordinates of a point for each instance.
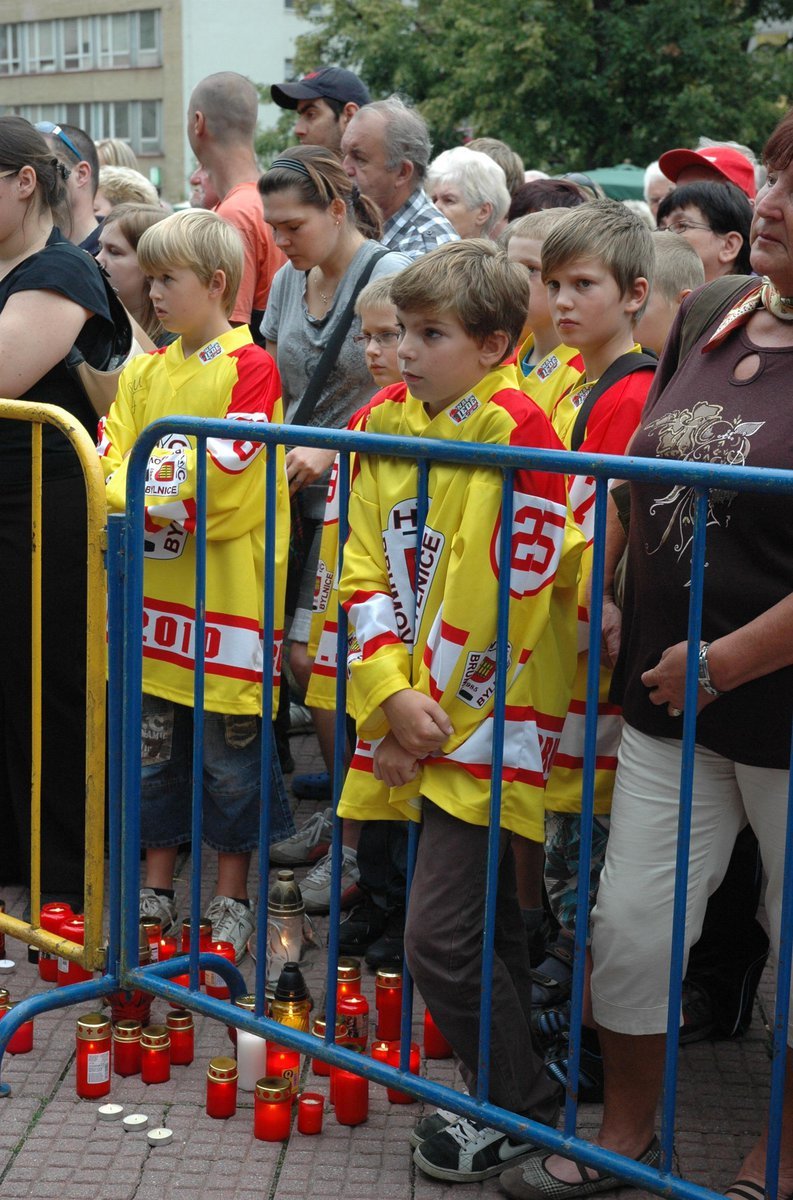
(730, 164)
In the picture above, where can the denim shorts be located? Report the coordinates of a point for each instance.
(562, 848)
(231, 792)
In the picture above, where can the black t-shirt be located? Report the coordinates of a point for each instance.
(66, 269)
(703, 413)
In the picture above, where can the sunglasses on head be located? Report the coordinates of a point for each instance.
(55, 130)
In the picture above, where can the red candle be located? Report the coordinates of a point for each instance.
(272, 1110)
(181, 1031)
(126, 1047)
(155, 1054)
(204, 939)
(222, 1088)
(318, 1066)
(215, 985)
(380, 1051)
(388, 1001)
(93, 1056)
(283, 1064)
(152, 928)
(351, 1097)
(353, 1010)
(435, 1044)
(310, 1107)
(52, 917)
(166, 948)
(397, 1097)
(73, 928)
(348, 978)
(20, 1042)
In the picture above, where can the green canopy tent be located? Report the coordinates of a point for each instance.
(625, 182)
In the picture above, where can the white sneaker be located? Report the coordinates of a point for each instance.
(158, 908)
(467, 1150)
(309, 843)
(231, 922)
(316, 885)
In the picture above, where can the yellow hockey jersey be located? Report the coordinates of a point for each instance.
(424, 614)
(553, 375)
(229, 377)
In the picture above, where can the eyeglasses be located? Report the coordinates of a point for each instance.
(10, 171)
(56, 131)
(380, 339)
(684, 226)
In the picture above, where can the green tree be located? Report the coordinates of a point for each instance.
(570, 84)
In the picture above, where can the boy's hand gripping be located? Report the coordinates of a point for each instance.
(417, 722)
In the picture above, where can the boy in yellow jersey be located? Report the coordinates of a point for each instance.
(194, 261)
(545, 368)
(420, 590)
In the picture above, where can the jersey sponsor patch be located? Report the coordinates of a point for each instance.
(479, 676)
(323, 585)
(163, 541)
(165, 473)
(399, 545)
(463, 409)
(209, 352)
(547, 367)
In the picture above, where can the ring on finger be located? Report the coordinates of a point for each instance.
(675, 712)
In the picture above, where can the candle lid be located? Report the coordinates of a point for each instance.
(273, 1087)
(151, 924)
(179, 1019)
(387, 977)
(348, 968)
(203, 926)
(110, 1112)
(135, 1122)
(93, 1025)
(320, 1025)
(291, 984)
(160, 1136)
(285, 896)
(5, 997)
(246, 1002)
(127, 1031)
(155, 1037)
(222, 1068)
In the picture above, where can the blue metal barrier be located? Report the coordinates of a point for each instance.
(125, 572)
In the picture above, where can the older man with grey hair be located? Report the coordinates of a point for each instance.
(386, 149)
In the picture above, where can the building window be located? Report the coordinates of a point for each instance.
(77, 44)
(114, 40)
(138, 122)
(40, 46)
(10, 49)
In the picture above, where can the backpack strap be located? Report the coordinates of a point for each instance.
(626, 364)
(708, 303)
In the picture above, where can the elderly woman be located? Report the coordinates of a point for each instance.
(716, 219)
(470, 189)
(730, 404)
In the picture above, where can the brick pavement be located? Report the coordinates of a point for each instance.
(52, 1146)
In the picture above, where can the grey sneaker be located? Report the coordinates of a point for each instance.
(316, 885)
(427, 1127)
(467, 1150)
(231, 922)
(158, 908)
(309, 843)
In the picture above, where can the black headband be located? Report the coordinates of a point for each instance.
(290, 164)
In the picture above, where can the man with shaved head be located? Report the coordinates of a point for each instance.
(221, 124)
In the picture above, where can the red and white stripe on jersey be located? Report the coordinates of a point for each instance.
(234, 645)
(442, 652)
(234, 456)
(374, 620)
(609, 729)
(530, 744)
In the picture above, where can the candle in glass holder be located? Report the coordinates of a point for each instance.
(93, 1056)
(435, 1044)
(353, 1010)
(380, 1050)
(221, 1088)
(215, 984)
(251, 1050)
(395, 1096)
(283, 1064)
(181, 1031)
(20, 1042)
(272, 1111)
(73, 929)
(350, 1097)
(310, 1107)
(152, 928)
(388, 1002)
(126, 1047)
(155, 1054)
(204, 938)
(318, 1027)
(348, 978)
(52, 917)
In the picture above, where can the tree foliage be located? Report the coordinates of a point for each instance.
(570, 84)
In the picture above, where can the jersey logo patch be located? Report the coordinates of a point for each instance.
(463, 409)
(479, 676)
(211, 351)
(547, 367)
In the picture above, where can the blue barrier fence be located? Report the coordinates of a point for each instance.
(125, 623)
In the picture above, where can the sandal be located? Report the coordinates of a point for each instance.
(590, 1072)
(533, 1181)
(552, 980)
(548, 1024)
(746, 1189)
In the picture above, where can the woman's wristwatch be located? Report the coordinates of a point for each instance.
(704, 671)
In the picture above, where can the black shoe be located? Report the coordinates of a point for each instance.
(389, 949)
(361, 926)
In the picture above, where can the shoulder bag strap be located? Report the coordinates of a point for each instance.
(331, 352)
(626, 364)
(706, 306)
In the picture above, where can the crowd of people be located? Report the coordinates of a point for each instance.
(359, 282)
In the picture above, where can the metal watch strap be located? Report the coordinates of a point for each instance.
(704, 671)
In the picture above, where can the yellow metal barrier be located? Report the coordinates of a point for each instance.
(92, 955)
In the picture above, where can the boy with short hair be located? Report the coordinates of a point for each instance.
(194, 261)
(678, 270)
(546, 369)
(421, 595)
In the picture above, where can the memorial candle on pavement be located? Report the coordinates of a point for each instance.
(73, 929)
(204, 938)
(251, 1050)
(93, 1056)
(181, 1031)
(52, 917)
(221, 1088)
(310, 1107)
(350, 1096)
(152, 927)
(318, 1027)
(393, 1057)
(348, 978)
(215, 984)
(388, 1002)
(353, 1010)
(20, 1042)
(126, 1047)
(272, 1111)
(155, 1054)
(380, 1051)
(283, 1063)
(435, 1044)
